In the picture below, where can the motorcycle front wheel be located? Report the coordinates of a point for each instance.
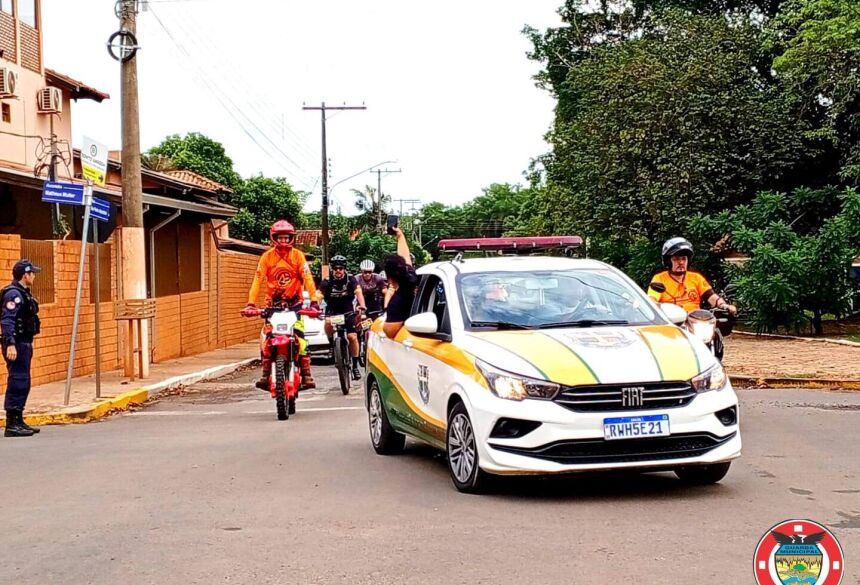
(280, 385)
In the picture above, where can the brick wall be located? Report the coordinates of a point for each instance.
(7, 37)
(31, 55)
(184, 324)
(52, 346)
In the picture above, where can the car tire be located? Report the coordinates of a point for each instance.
(461, 453)
(703, 474)
(385, 440)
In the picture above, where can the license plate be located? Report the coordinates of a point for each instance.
(337, 320)
(634, 427)
(367, 323)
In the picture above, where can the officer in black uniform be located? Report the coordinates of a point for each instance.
(20, 323)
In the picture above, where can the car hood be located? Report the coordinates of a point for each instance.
(596, 355)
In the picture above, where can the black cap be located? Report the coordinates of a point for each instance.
(22, 267)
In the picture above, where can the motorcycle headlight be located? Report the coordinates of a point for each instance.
(714, 378)
(703, 328)
(516, 387)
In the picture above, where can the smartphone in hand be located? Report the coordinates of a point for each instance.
(392, 223)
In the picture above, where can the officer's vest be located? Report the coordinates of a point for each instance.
(27, 323)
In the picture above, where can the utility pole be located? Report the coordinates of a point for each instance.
(132, 234)
(324, 211)
(379, 208)
(410, 202)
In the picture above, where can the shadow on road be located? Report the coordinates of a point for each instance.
(587, 486)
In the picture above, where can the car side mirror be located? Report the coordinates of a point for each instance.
(658, 287)
(425, 324)
(674, 313)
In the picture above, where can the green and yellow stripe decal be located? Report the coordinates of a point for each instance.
(381, 369)
(552, 358)
(676, 361)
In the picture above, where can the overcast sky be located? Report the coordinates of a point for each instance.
(447, 86)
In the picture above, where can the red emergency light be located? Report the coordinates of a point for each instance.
(524, 244)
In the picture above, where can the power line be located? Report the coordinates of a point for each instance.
(230, 110)
(234, 73)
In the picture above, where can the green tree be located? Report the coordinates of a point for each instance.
(261, 202)
(372, 205)
(668, 121)
(801, 246)
(818, 46)
(200, 154)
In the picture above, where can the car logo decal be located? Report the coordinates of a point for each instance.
(424, 383)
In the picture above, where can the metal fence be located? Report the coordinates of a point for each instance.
(41, 253)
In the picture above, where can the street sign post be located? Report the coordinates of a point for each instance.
(88, 197)
(57, 192)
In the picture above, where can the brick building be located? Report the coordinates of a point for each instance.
(198, 277)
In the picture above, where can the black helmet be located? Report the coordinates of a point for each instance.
(676, 247)
(338, 261)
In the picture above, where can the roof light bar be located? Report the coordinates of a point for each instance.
(525, 244)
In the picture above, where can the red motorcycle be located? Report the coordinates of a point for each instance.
(281, 345)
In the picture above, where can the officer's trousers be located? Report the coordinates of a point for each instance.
(18, 384)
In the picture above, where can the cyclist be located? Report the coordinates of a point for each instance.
(372, 287)
(340, 292)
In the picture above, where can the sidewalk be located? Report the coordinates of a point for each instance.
(775, 362)
(45, 405)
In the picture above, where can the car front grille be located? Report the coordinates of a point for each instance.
(593, 451)
(625, 397)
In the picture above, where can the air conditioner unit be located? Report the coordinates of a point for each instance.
(50, 101)
(8, 82)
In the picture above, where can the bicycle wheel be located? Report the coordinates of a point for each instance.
(341, 362)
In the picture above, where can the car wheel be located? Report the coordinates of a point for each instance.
(462, 453)
(386, 441)
(703, 474)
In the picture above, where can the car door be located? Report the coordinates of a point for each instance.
(425, 378)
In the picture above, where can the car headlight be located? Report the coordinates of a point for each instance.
(516, 387)
(713, 379)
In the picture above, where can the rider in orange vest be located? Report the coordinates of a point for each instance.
(286, 273)
(684, 288)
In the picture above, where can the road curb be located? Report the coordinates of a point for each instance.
(741, 381)
(108, 406)
(797, 338)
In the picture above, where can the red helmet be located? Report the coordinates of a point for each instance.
(282, 227)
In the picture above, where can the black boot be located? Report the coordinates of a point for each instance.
(14, 425)
(262, 384)
(35, 430)
(356, 373)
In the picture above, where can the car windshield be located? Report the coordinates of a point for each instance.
(553, 298)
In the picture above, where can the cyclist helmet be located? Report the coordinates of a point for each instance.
(338, 261)
(282, 227)
(676, 247)
(367, 266)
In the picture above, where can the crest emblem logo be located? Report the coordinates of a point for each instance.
(424, 383)
(798, 552)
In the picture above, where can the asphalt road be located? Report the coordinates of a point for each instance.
(208, 487)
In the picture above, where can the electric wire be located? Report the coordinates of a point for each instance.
(231, 109)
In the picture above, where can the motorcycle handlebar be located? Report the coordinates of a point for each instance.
(266, 313)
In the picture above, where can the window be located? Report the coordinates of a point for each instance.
(7, 113)
(434, 299)
(6, 6)
(27, 12)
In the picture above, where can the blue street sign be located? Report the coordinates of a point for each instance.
(100, 209)
(54, 192)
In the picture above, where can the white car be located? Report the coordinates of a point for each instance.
(524, 365)
(318, 344)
